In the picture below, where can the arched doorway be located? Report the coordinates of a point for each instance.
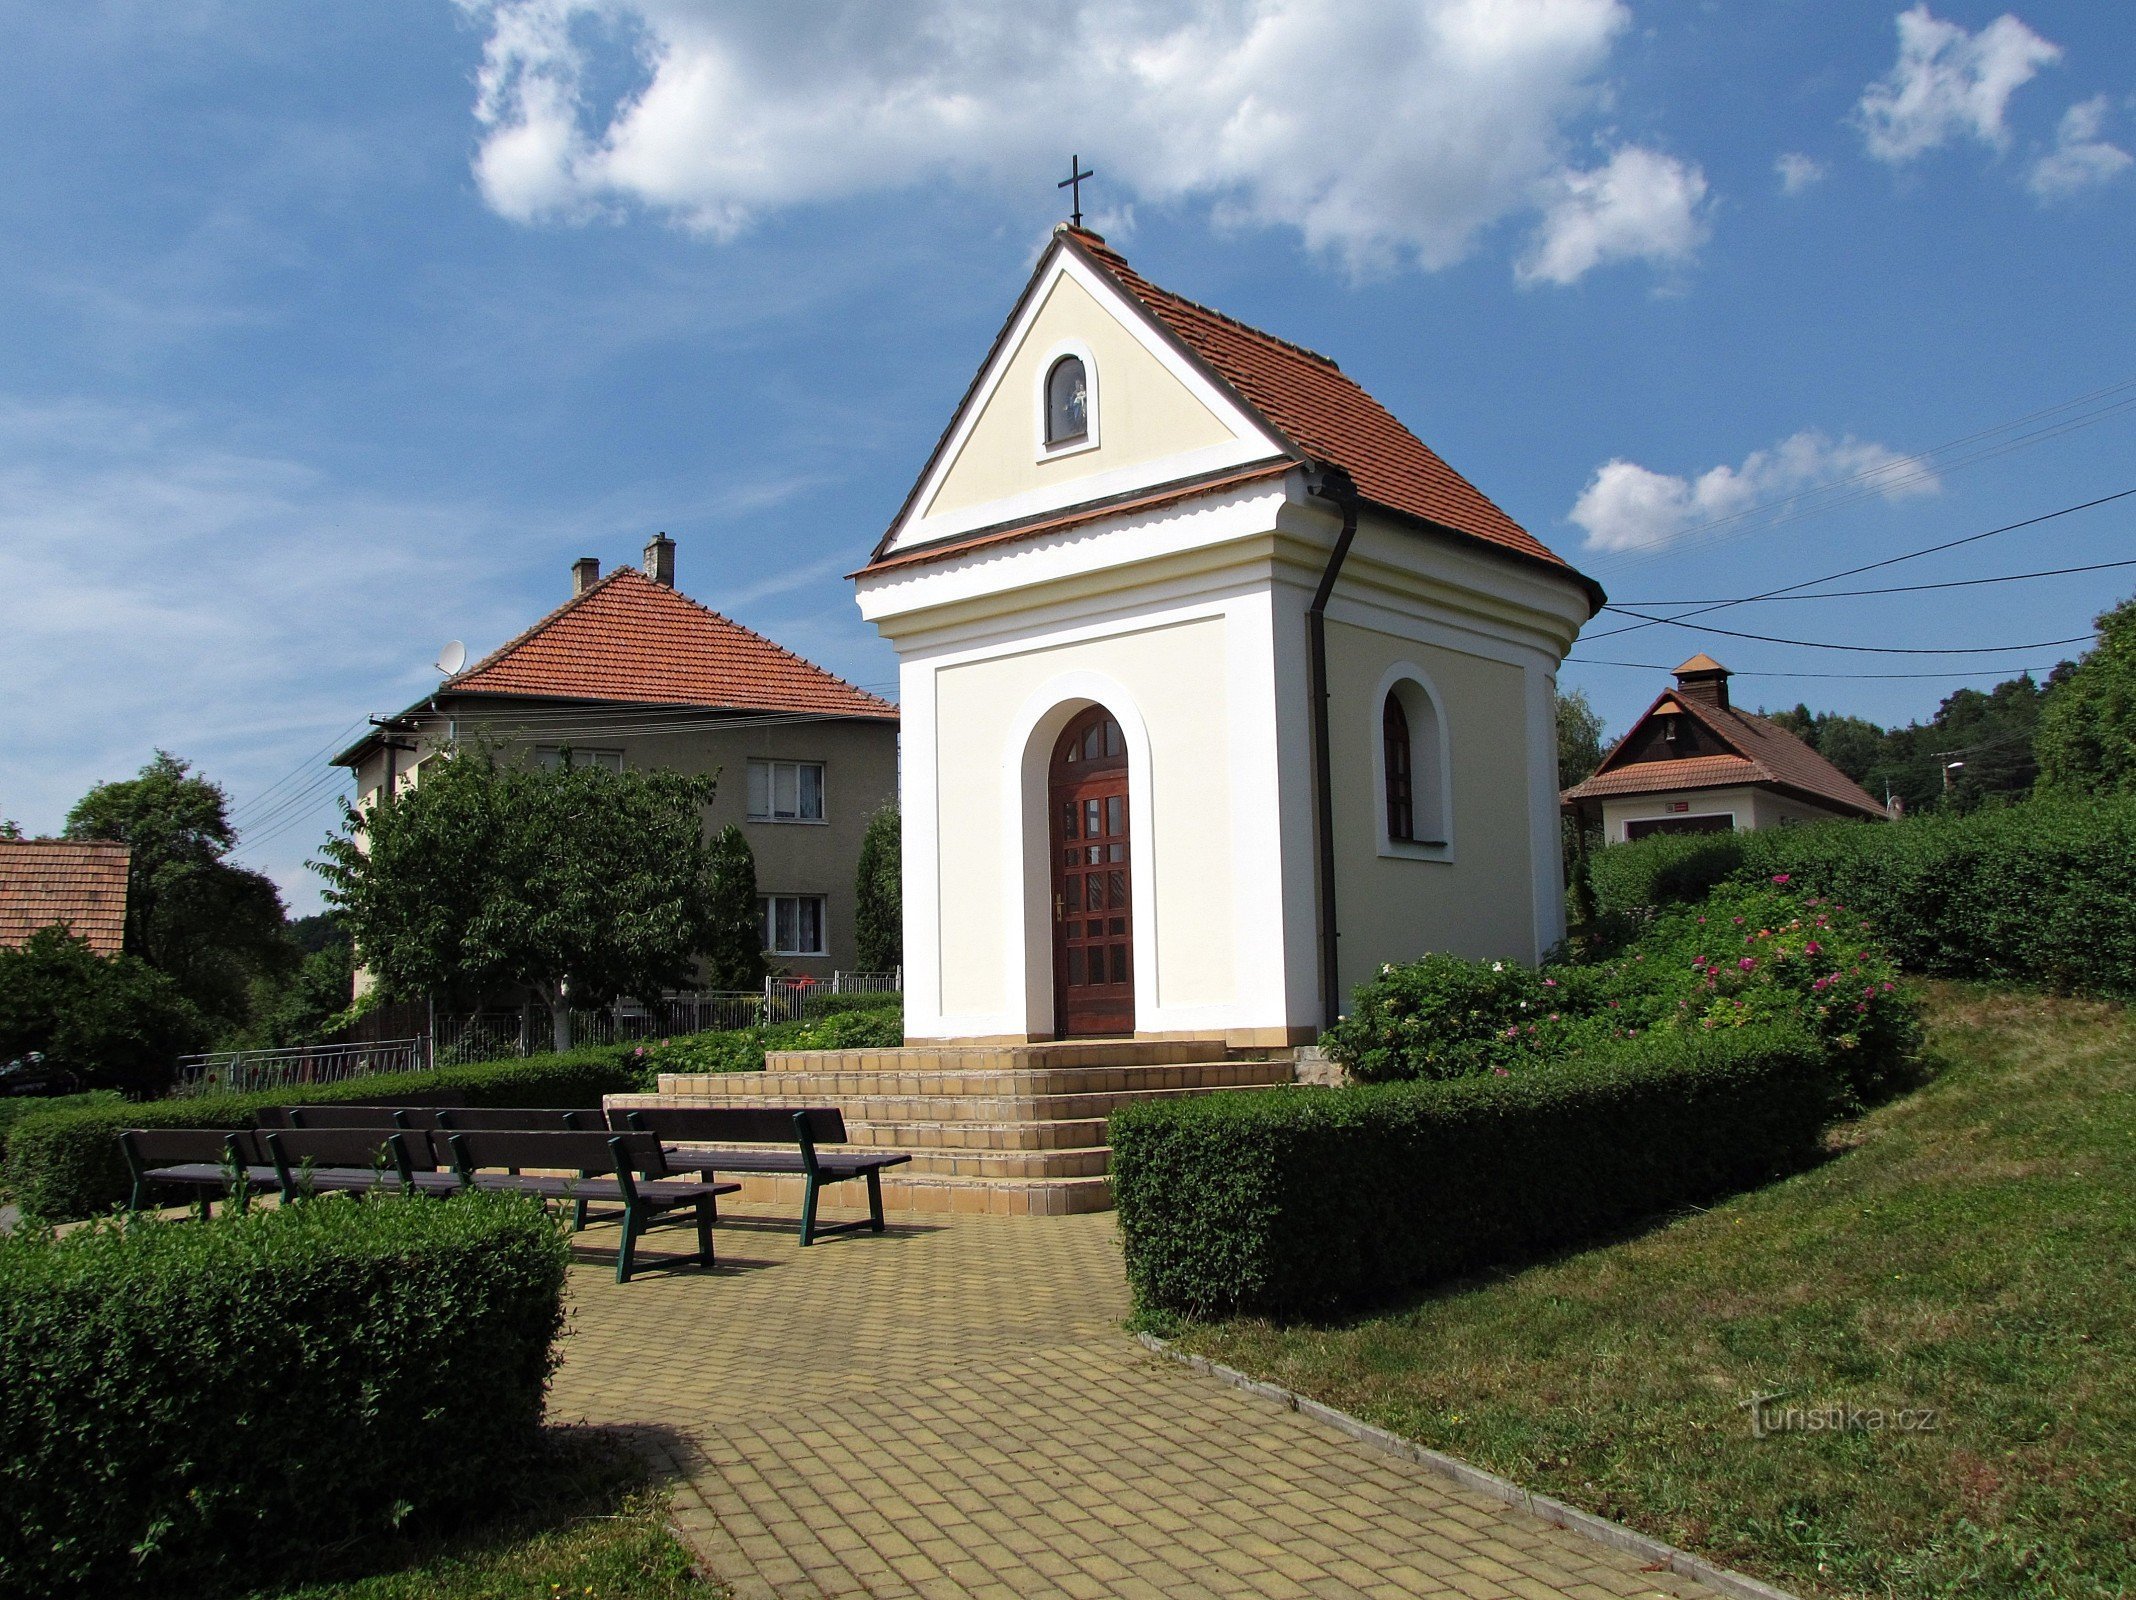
(1093, 879)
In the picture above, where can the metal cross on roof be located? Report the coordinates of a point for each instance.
(1074, 181)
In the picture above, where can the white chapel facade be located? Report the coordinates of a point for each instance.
(1146, 537)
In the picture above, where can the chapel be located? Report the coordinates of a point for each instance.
(1219, 687)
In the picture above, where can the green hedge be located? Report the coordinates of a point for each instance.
(186, 1404)
(872, 1027)
(2042, 893)
(64, 1163)
(1302, 1201)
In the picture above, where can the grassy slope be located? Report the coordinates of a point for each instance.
(1971, 1249)
(583, 1523)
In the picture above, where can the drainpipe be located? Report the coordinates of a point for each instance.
(1335, 487)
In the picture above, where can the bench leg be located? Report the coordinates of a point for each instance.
(808, 1212)
(707, 1210)
(875, 1199)
(578, 1216)
(626, 1249)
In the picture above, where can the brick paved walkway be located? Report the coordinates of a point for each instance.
(952, 1409)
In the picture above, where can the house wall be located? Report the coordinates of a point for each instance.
(1751, 807)
(860, 773)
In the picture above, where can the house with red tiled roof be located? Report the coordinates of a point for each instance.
(631, 672)
(79, 884)
(1223, 687)
(1693, 763)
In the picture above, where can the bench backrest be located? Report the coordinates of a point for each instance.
(509, 1119)
(731, 1124)
(385, 1117)
(389, 1148)
(174, 1147)
(280, 1116)
(480, 1149)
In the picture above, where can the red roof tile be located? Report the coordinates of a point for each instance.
(632, 640)
(78, 882)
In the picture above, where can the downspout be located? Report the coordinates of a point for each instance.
(1334, 486)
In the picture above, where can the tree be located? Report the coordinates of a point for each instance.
(878, 893)
(113, 1021)
(207, 924)
(568, 886)
(2087, 735)
(734, 946)
(1579, 738)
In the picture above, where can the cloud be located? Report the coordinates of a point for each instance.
(2080, 159)
(1627, 507)
(1640, 205)
(1798, 172)
(1949, 84)
(1385, 135)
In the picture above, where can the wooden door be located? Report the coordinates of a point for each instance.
(1093, 880)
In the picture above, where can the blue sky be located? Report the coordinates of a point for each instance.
(335, 332)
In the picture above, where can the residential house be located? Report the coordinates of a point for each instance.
(1693, 763)
(630, 672)
(77, 883)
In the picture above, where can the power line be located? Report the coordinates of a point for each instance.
(1888, 561)
(1904, 588)
(1869, 649)
(1853, 677)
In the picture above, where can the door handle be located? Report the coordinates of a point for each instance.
(1057, 905)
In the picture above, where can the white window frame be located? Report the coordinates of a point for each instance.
(1431, 767)
(549, 757)
(770, 766)
(1089, 439)
(768, 922)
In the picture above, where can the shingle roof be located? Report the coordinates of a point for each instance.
(1765, 753)
(79, 882)
(632, 640)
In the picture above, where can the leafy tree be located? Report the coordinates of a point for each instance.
(207, 924)
(2087, 736)
(569, 885)
(734, 945)
(1579, 738)
(114, 1021)
(301, 1008)
(878, 890)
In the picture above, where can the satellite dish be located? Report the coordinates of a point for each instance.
(452, 658)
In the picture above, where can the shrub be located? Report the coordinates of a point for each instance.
(186, 1403)
(831, 1005)
(1439, 1017)
(742, 1049)
(66, 1162)
(113, 1021)
(1299, 1200)
(2042, 893)
(15, 1107)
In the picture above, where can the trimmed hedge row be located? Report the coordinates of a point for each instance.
(186, 1403)
(65, 1163)
(1299, 1200)
(2038, 893)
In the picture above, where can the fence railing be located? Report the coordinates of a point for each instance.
(240, 1071)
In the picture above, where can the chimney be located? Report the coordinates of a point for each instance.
(660, 559)
(585, 573)
(1705, 680)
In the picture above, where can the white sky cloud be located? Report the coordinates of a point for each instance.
(1386, 135)
(1639, 205)
(1798, 172)
(1627, 507)
(2080, 158)
(1949, 84)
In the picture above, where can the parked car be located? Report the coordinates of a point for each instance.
(31, 1074)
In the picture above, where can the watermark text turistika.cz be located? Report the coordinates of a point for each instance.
(1769, 1416)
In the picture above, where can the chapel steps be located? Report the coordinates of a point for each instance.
(1014, 1130)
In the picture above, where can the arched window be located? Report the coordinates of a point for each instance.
(1401, 776)
(1067, 401)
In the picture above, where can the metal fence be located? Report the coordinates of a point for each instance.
(238, 1071)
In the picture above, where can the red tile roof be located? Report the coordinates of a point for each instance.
(631, 640)
(79, 882)
(1766, 753)
(1306, 400)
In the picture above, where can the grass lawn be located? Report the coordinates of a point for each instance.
(584, 1523)
(1969, 1250)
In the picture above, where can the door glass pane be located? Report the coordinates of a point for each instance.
(1072, 856)
(1075, 964)
(1068, 819)
(1119, 963)
(812, 792)
(784, 789)
(1093, 740)
(1091, 829)
(1113, 810)
(1097, 853)
(1119, 926)
(1112, 738)
(1116, 852)
(1119, 891)
(1072, 893)
(760, 788)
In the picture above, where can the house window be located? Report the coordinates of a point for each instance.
(792, 924)
(785, 791)
(1401, 791)
(1067, 401)
(551, 756)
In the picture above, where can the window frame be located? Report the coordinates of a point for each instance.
(1431, 793)
(1049, 450)
(771, 765)
(768, 922)
(552, 757)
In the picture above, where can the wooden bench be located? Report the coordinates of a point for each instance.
(205, 1159)
(410, 1111)
(704, 1139)
(309, 1161)
(626, 1167)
